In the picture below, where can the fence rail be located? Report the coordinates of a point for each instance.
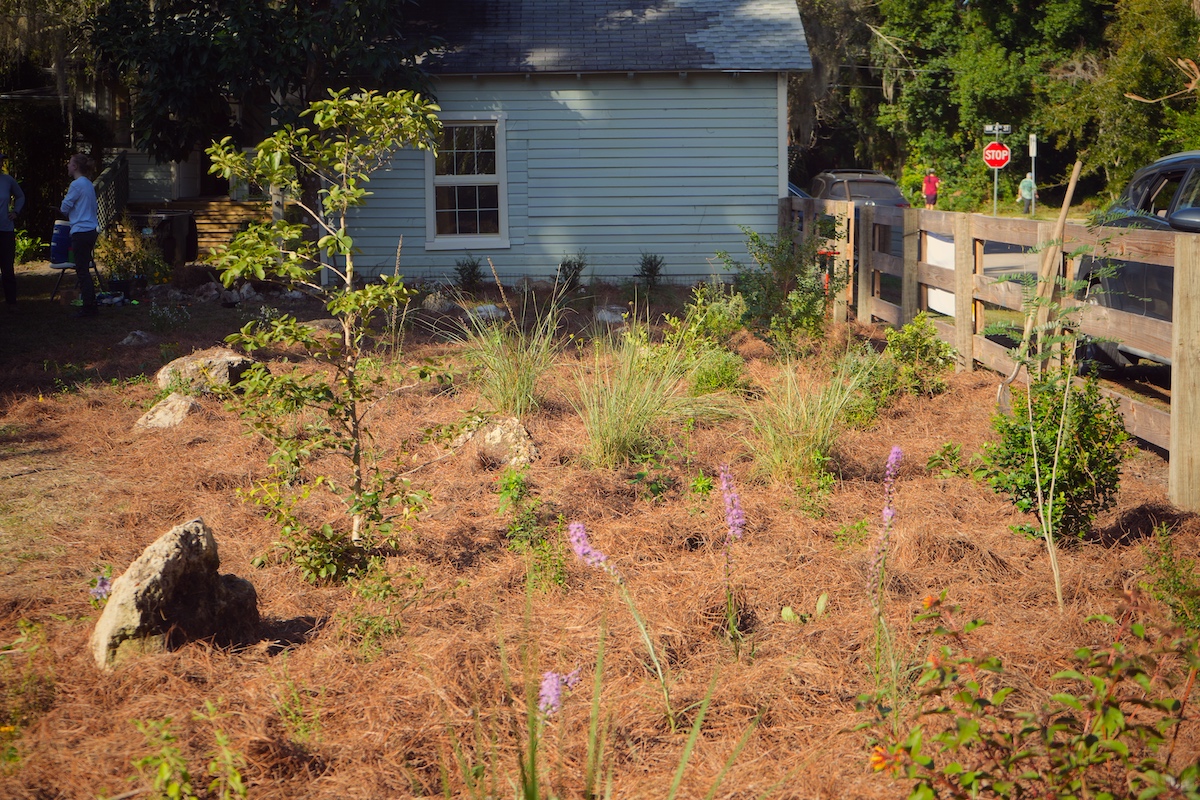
(948, 262)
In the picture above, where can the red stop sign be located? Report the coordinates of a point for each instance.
(997, 155)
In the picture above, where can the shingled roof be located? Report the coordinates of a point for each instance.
(545, 36)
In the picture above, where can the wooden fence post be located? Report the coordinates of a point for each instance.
(866, 269)
(1183, 473)
(910, 282)
(964, 293)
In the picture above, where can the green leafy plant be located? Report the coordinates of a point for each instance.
(877, 386)
(715, 370)
(1060, 454)
(29, 247)
(470, 273)
(570, 272)
(650, 270)
(789, 615)
(1108, 732)
(225, 764)
(653, 475)
(922, 357)
(712, 315)
(308, 414)
(701, 485)
(851, 534)
(529, 534)
(1173, 581)
(125, 253)
(165, 769)
(788, 289)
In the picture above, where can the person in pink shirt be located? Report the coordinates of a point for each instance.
(930, 188)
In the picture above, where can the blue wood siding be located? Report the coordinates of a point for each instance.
(610, 165)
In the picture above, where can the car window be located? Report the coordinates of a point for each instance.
(1162, 192)
(1190, 196)
(874, 190)
(840, 190)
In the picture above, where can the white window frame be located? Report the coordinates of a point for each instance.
(435, 241)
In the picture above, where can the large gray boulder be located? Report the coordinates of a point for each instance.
(204, 370)
(173, 593)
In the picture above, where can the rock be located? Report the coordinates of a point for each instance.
(172, 593)
(437, 303)
(504, 442)
(230, 297)
(209, 292)
(204, 369)
(293, 294)
(169, 412)
(136, 338)
(611, 315)
(247, 292)
(487, 312)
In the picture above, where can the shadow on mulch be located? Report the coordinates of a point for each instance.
(284, 634)
(1138, 524)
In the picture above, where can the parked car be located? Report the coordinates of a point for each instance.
(796, 191)
(1162, 196)
(864, 187)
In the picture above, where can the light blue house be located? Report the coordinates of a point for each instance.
(593, 126)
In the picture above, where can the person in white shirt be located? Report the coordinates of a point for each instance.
(12, 200)
(81, 211)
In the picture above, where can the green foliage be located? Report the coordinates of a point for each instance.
(923, 358)
(570, 272)
(29, 247)
(878, 385)
(510, 357)
(626, 397)
(513, 488)
(701, 485)
(299, 709)
(165, 769)
(715, 370)
(307, 414)
(713, 314)
(650, 270)
(1108, 732)
(1060, 454)
(531, 535)
(225, 764)
(164, 319)
(653, 475)
(796, 427)
(1173, 581)
(851, 534)
(125, 253)
(470, 273)
(789, 288)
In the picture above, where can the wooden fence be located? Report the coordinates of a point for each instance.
(938, 260)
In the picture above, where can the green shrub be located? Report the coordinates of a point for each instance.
(570, 272)
(714, 370)
(650, 270)
(1173, 581)
(922, 357)
(125, 253)
(29, 247)
(877, 386)
(789, 288)
(1075, 467)
(469, 272)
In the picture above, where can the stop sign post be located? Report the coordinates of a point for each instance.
(996, 155)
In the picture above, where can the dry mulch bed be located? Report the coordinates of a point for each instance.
(317, 715)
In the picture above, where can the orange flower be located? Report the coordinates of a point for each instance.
(929, 602)
(935, 659)
(881, 759)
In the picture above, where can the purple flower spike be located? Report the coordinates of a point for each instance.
(577, 534)
(102, 588)
(735, 518)
(550, 695)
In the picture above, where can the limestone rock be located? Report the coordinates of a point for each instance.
(505, 442)
(169, 412)
(490, 311)
(437, 303)
(136, 338)
(247, 292)
(205, 369)
(611, 315)
(209, 292)
(173, 592)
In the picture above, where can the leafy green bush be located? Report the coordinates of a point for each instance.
(922, 357)
(1173, 581)
(1063, 446)
(789, 288)
(714, 370)
(469, 272)
(29, 247)
(878, 384)
(1108, 732)
(570, 271)
(650, 269)
(125, 253)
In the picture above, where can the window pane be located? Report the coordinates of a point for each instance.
(489, 197)
(489, 221)
(468, 197)
(467, 222)
(464, 163)
(486, 137)
(443, 198)
(445, 223)
(485, 163)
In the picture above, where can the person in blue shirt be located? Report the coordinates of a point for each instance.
(12, 200)
(79, 207)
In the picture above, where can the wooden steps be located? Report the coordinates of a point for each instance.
(218, 219)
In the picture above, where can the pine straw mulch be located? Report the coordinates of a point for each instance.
(317, 714)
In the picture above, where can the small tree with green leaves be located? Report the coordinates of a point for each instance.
(307, 415)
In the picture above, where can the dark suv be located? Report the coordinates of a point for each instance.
(864, 187)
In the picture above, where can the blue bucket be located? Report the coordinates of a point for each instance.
(60, 243)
